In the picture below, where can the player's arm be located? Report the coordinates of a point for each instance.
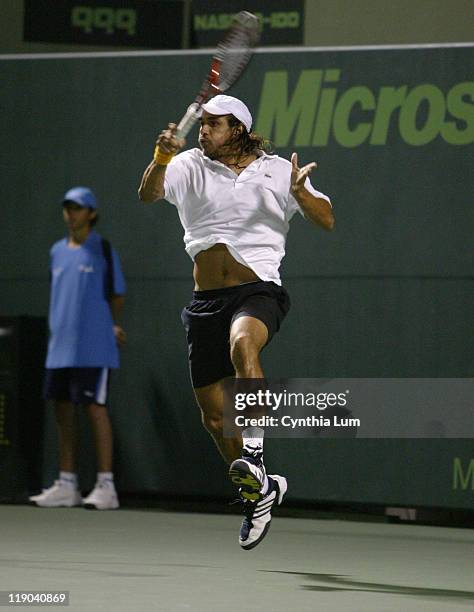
(152, 186)
(317, 209)
(116, 306)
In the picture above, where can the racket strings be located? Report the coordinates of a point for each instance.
(229, 61)
(234, 52)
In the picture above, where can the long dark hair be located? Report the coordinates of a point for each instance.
(246, 143)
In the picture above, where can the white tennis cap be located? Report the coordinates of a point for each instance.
(227, 105)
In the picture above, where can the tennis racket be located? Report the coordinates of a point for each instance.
(231, 58)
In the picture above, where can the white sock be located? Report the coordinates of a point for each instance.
(69, 477)
(252, 439)
(105, 478)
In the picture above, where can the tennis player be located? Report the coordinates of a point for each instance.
(235, 201)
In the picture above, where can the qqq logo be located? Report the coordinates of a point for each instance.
(104, 18)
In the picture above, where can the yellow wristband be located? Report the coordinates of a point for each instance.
(162, 159)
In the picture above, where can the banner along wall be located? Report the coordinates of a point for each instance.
(387, 294)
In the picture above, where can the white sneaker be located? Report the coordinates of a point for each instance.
(248, 473)
(103, 497)
(258, 515)
(61, 494)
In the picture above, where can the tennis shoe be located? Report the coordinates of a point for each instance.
(258, 514)
(60, 494)
(102, 497)
(248, 473)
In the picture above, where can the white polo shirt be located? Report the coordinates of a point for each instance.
(249, 212)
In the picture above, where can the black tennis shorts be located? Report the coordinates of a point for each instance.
(78, 385)
(209, 316)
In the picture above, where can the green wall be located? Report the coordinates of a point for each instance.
(382, 22)
(387, 294)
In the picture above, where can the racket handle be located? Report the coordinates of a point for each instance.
(188, 120)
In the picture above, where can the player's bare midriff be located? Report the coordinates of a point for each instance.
(215, 268)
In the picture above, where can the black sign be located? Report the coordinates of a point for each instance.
(156, 24)
(281, 21)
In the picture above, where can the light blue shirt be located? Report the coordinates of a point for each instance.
(80, 320)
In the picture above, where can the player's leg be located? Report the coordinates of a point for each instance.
(101, 426)
(254, 325)
(210, 399)
(68, 434)
(248, 336)
(64, 491)
(207, 321)
(95, 384)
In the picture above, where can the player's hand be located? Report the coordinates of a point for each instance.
(120, 335)
(167, 141)
(299, 175)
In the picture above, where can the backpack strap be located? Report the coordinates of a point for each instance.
(109, 278)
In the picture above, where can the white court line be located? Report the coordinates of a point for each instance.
(209, 51)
